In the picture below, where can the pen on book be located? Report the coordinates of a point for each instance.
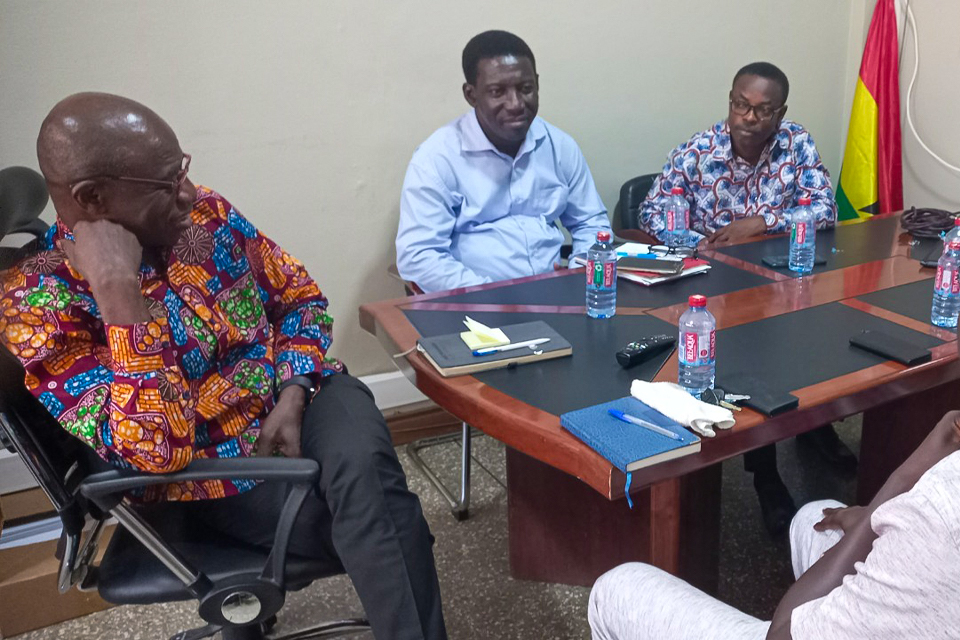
(510, 347)
(626, 417)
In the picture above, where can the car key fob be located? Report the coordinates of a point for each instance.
(644, 349)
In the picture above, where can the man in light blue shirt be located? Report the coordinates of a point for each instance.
(483, 195)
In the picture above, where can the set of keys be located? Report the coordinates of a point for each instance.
(726, 400)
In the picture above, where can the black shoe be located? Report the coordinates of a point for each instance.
(827, 443)
(776, 505)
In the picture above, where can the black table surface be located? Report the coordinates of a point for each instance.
(842, 246)
(912, 300)
(590, 376)
(790, 351)
(570, 290)
(802, 348)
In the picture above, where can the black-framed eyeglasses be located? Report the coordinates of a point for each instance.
(683, 252)
(176, 184)
(761, 111)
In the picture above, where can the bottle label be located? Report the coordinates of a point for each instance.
(698, 348)
(600, 274)
(672, 218)
(798, 234)
(948, 281)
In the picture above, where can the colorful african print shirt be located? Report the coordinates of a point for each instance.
(233, 317)
(722, 187)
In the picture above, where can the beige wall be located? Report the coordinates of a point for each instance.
(936, 95)
(305, 113)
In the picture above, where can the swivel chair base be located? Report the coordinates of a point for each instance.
(333, 629)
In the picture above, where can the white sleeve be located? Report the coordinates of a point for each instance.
(908, 586)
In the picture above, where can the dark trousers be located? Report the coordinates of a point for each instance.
(762, 463)
(361, 515)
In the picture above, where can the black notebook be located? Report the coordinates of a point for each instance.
(450, 355)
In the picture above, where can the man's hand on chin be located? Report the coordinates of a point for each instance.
(280, 430)
(103, 251)
(108, 256)
(738, 230)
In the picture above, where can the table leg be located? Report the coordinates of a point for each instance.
(563, 531)
(892, 431)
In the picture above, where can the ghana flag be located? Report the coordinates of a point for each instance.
(871, 179)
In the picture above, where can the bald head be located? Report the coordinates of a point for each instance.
(106, 157)
(90, 134)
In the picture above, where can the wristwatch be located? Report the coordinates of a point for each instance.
(301, 381)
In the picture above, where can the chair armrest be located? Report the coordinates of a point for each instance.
(293, 470)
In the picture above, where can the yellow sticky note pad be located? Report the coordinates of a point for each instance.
(480, 336)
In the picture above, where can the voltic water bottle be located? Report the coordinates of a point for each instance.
(946, 287)
(676, 219)
(697, 347)
(803, 237)
(953, 234)
(602, 278)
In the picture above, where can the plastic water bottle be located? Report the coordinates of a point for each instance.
(698, 347)
(676, 219)
(803, 237)
(602, 278)
(946, 287)
(953, 235)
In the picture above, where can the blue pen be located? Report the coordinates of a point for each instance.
(626, 417)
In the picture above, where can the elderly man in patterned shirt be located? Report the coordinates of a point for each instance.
(741, 177)
(159, 326)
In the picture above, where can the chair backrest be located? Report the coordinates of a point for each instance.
(56, 460)
(23, 197)
(632, 194)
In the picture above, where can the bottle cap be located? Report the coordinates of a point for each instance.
(603, 236)
(677, 191)
(804, 202)
(956, 222)
(698, 301)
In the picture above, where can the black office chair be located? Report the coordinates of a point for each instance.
(23, 196)
(626, 214)
(156, 555)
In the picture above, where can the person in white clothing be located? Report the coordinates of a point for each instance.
(887, 570)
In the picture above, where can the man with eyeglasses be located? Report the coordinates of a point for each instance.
(156, 324)
(744, 174)
(741, 178)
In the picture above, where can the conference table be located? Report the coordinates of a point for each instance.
(567, 515)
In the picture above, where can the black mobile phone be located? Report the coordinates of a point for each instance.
(783, 261)
(651, 265)
(891, 347)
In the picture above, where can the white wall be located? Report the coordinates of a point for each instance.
(934, 107)
(304, 113)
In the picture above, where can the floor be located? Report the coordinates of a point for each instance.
(480, 599)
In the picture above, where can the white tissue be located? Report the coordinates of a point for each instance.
(672, 401)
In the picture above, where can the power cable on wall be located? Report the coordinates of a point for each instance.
(913, 80)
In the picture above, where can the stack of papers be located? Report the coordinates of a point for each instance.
(691, 266)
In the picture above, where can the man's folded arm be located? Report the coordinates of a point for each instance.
(128, 397)
(427, 220)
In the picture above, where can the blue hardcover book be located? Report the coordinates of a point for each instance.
(627, 446)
